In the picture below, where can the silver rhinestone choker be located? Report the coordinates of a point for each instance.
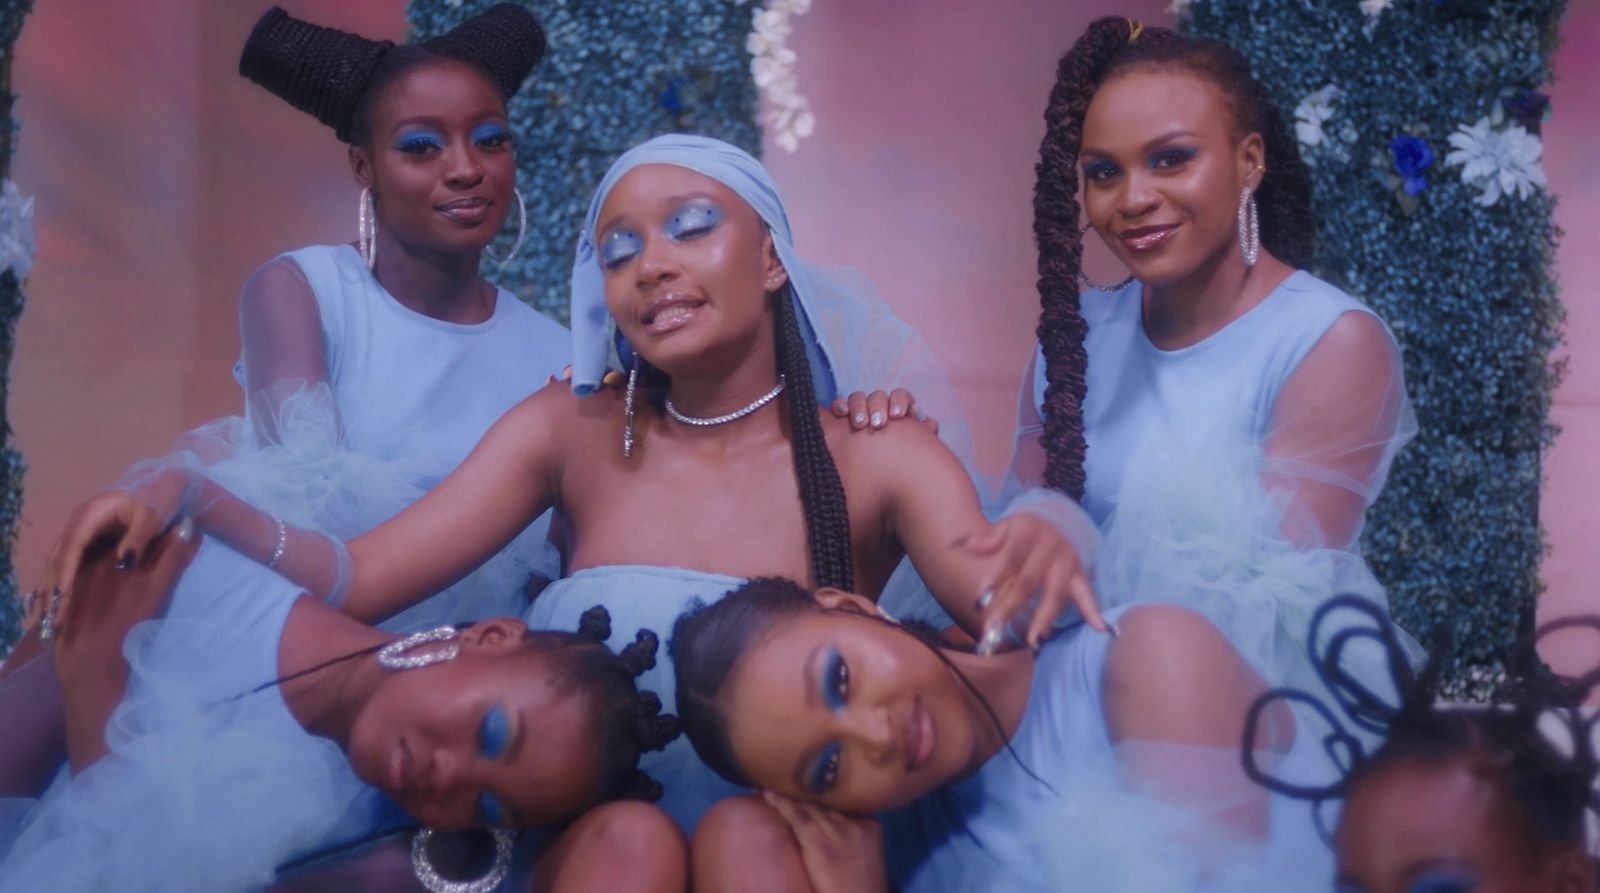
(724, 419)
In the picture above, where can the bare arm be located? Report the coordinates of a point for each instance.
(981, 573)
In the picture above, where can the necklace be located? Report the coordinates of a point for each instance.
(725, 418)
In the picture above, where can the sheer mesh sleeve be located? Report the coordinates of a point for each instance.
(1336, 425)
(1027, 448)
(280, 327)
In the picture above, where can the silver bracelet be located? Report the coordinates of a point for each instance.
(283, 543)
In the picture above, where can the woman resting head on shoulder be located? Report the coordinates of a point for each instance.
(973, 763)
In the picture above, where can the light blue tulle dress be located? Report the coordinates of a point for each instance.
(206, 787)
(647, 597)
(1219, 477)
(1095, 823)
(406, 399)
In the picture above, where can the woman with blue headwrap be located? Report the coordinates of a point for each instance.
(686, 482)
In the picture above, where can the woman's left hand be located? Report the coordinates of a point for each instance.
(877, 409)
(1037, 574)
(842, 853)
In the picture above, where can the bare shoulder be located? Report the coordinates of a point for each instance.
(901, 444)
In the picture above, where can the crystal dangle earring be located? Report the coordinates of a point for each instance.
(1090, 283)
(1249, 228)
(367, 230)
(627, 409)
(437, 883)
(395, 656)
(522, 232)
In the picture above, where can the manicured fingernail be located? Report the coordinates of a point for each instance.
(185, 531)
(1115, 633)
(990, 641)
(897, 412)
(859, 418)
(921, 416)
(877, 420)
(840, 407)
(985, 599)
(1035, 649)
(125, 562)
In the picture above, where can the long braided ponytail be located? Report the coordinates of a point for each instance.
(1110, 45)
(821, 491)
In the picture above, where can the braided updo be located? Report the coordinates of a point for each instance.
(336, 76)
(1110, 46)
(629, 721)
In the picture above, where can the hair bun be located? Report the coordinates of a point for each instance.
(318, 70)
(595, 624)
(505, 39)
(641, 655)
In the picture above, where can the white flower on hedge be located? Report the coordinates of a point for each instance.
(1374, 8)
(1312, 112)
(1498, 162)
(787, 116)
(1179, 7)
(19, 242)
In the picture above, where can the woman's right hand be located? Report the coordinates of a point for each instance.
(134, 516)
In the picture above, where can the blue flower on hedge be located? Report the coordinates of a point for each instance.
(1412, 158)
(1527, 108)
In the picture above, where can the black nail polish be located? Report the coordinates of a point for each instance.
(126, 561)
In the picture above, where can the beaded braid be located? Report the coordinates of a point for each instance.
(821, 491)
(1283, 199)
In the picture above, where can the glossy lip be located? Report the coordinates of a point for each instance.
(470, 211)
(1147, 238)
(667, 301)
(920, 736)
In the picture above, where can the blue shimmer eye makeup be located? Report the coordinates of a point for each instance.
(490, 812)
(418, 141)
(694, 218)
(835, 680)
(618, 247)
(826, 769)
(1455, 879)
(494, 733)
(491, 133)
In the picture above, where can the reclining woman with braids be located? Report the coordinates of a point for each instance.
(1096, 763)
(715, 465)
(1224, 416)
(254, 726)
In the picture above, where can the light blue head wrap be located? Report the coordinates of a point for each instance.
(593, 350)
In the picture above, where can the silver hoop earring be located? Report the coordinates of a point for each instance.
(437, 883)
(627, 409)
(395, 656)
(1249, 228)
(522, 232)
(1084, 277)
(367, 229)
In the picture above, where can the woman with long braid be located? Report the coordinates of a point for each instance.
(714, 464)
(1222, 414)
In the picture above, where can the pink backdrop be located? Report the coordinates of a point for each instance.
(162, 179)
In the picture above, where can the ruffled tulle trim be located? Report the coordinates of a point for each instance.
(195, 793)
(309, 478)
